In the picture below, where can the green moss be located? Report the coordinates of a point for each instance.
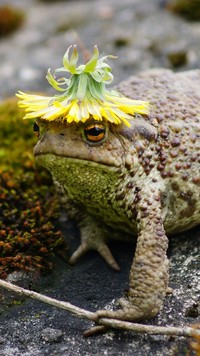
(28, 203)
(17, 138)
(10, 19)
(190, 9)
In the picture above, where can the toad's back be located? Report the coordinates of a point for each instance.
(175, 112)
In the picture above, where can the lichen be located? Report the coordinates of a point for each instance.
(10, 19)
(28, 203)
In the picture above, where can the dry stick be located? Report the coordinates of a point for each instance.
(82, 313)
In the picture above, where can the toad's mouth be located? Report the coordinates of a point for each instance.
(52, 160)
(98, 155)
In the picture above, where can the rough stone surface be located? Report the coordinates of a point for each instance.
(143, 35)
(51, 335)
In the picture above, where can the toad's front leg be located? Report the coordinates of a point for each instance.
(93, 238)
(149, 271)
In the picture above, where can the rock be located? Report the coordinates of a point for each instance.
(51, 335)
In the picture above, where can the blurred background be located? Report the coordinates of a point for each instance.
(34, 34)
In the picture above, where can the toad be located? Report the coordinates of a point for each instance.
(128, 162)
(143, 180)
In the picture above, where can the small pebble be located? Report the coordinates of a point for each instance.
(51, 335)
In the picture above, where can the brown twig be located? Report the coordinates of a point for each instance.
(81, 313)
(109, 323)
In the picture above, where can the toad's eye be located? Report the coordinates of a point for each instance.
(36, 129)
(95, 132)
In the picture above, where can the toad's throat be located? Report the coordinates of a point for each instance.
(90, 185)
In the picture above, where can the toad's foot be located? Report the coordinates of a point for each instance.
(103, 250)
(93, 238)
(128, 312)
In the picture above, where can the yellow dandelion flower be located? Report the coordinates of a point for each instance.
(84, 94)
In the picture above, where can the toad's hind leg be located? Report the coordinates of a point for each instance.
(149, 271)
(93, 238)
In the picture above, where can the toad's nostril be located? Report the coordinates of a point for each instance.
(36, 129)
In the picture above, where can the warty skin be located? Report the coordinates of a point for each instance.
(143, 180)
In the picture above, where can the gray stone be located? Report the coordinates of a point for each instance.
(51, 335)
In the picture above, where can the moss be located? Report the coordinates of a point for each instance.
(10, 19)
(177, 58)
(28, 204)
(190, 9)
